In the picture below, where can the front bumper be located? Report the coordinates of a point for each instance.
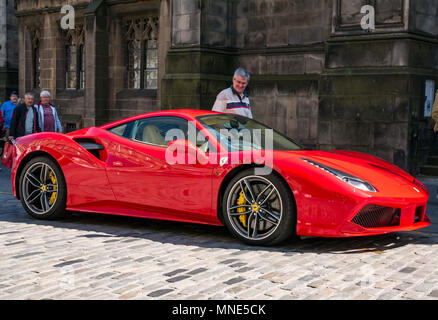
(373, 220)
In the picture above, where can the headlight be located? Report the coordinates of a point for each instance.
(348, 178)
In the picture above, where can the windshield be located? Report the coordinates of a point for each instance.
(237, 133)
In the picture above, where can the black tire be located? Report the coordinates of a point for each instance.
(264, 223)
(43, 190)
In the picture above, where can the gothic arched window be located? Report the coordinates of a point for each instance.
(75, 59)
(70, 64)
(142, 53)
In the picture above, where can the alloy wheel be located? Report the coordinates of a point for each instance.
(39, 188)
(254, 207)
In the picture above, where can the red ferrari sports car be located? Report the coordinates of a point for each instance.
(133, 167)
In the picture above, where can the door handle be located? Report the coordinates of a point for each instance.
(117, 164)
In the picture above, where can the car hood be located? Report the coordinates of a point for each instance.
(383, 175)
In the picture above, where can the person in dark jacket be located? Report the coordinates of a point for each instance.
(25, 118)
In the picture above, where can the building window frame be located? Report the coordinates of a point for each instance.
(74, 46)
(141, 53)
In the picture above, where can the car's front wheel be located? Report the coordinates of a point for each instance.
(43, 190)
(259, 210)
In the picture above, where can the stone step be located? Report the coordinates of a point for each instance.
(429, 170)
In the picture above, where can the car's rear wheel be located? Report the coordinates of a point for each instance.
(43, 191)
(259, 210)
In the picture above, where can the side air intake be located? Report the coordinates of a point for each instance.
(91, 146)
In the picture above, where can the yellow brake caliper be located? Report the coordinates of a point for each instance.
(240, 202)
(53, 196)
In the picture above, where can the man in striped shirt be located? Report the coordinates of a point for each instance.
(234, 99)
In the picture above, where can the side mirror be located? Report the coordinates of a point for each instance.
(184, 152)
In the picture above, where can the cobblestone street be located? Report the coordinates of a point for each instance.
(91, 256)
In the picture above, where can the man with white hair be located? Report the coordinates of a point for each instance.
(235, 99)
(48, 117)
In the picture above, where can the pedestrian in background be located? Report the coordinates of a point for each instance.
(434, 144)
(2, 134)
(435, 113)
(235, 99)
(2, 128)
(25, 118)
(7, 109)
(48, 116)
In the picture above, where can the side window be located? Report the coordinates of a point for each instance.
(122, 130)
(152, 130)
(161, 130)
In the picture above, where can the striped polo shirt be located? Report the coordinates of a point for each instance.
(229, 101)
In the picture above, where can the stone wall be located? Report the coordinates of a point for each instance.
(3, 35)
(33, 7)
(366, 113)
(199, 61)
(282, 45)
(8, 49)
(12, 34)
(390, 16)
(276, 23)
(371, 95)
(49, 34)
(216, 23)
(186, 22)
(425, 17)
(289, 106)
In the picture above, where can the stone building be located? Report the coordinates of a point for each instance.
(8, 49)
(317, 74)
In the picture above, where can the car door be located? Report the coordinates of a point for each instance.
(141, 176)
